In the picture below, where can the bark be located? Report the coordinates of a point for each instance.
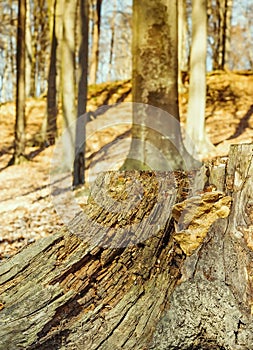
(12, 55)
(212, 307)
(68, 79)
(221, 16)
(28, 67)
(170, 289)
(227, 33)
(155, 84)
(6, 74)
(96, 16)
(79, 162)
(182, 44)
(49, 128)
(112, 27)
(195, 125)
(35, 41)
(19, 144)
(44, 43)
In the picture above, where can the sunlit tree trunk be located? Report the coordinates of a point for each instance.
(222, 14)
(49, 126)
(112, 42)
(35, 42)
(28, 67)
(79, 162)
(68, 79)
(195, 126)
(12, 56)
(44, 42)
(52, 109)
(19, 146)
(96, 17)
(6, 72)
(155, 84)
(182, 42)
(228, 29)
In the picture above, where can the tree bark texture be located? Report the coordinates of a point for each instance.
(176, 288)
(28, 66)
(68, 79)
(195, 124)
(155, 58)
(155, 89)
(19, 148)
(182, 43)
(221, 15)
(50, 127)
(79, 162)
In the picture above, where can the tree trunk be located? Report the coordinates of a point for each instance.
(49, 128)
(44, 43)
(141, 273)
(182, 44)
(221, 16)
(227, 34)
(112, 42)
(19, 144)
(79, 162)
(195, 125)
(12, 55)
(156, 137)
(68, 80)
(35, 41)
(28, 67)
(96, 16)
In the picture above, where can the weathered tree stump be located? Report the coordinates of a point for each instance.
(169, 268)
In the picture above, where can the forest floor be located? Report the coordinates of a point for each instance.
(26, 206)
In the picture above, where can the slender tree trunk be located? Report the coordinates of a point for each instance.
(35, 41)
(28, 67)
(42, 59)
(112, 41)
(19, 146)
(222, 34)
(6, 74)
(12, 58)
(96, 14)
(227, 34)
(144, 276)
(79, 162)
(68, 80)
(182, 43)
(49, 128)
(59, 36)
(195, 126)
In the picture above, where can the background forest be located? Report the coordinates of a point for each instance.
(110, 40)
(62, 58)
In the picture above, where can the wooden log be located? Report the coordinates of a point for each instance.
(125, 280)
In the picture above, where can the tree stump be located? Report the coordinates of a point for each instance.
(164, 261)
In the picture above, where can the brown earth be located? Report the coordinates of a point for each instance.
(27, 211)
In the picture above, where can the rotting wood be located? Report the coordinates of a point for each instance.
(97, 291)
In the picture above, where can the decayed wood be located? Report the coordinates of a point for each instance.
(127, 285)
(212, 306)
